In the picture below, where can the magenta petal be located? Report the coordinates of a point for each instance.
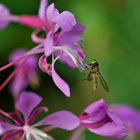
(19, 83)
(35, 113)
(62, 119)
(27, 102)
(59, 82)
(16, 118)
(30, 62)
(52, 12)
(17, 54)
(34, 22)
(5, 127)
(9, 116)
(43, 8)
(113, 129)
(130, 116)
(49, 44)
(43, 65)
(65, 20)
(11, 135)
(94, 113)
(3, 12)
(72, 36)
(25, 73)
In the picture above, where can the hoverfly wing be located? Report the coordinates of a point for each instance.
(103, 82)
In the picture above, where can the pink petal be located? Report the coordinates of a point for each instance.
(26, 72)
(27, 102)
(11, 135)
(9, 116)
(18, 84)
(43, 65)
(49, 44)
(34, 22)
(112, 129)
(65, 20)
(17, 54)
(4, 11)
(43, 8)
(62, 119)
(30, 62)
(5, 127)
(35, 113)
(72, 36)
(129, 115)
(52, 12)
(94, 113)
(59, 82)
(16, 118)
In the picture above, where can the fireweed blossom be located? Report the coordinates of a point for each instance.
(61, 41)
(130, 116)
(99, 120)
(26, 73)
(27, 128)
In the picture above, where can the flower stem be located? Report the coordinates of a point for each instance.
(10, 64)
(77, 134)
(11, 76)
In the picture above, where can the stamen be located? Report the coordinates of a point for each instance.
(66, 51)
(79, 60)
(8, 116)
(38, 133)
(74, 56)
(34, 133)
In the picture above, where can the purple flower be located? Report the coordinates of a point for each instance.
(27, 127)
(62, 45)
(6, 17)
(26, 72)
(3, 12)
(129, 115)
(98, 119)
(63, 34)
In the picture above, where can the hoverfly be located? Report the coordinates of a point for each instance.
(94, 74)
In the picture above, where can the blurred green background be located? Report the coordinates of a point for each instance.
(112, 37)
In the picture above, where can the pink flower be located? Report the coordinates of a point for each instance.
(130, 116)
(100, 120)
(27, 128)
(4, 11)
(26, 72)
(61, 42)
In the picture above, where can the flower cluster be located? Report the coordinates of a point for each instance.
(61, 42)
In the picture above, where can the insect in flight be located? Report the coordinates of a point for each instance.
(94, 74)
